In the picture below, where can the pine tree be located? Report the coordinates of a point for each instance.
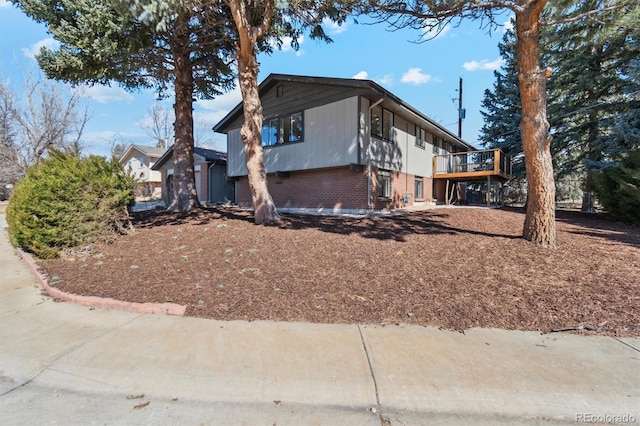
(591, 103)
(146, 44)
(590, 55)
(254, 20)
(501, 108)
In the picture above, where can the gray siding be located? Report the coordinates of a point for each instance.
(295, 96)
(236, 164)
(377, 152)
(417, 161)
(401, 154)
(330, 139)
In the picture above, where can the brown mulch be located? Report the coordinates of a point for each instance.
(454, 268)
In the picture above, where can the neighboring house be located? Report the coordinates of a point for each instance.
(210, 168)
(138, 161)
(335, 144)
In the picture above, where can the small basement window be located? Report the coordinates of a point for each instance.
(384, 184)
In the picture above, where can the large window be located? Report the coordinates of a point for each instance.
(421, 137)
(281, 130)
(418, 188)
(384, 184)
(382, 123)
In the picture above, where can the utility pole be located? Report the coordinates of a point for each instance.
(461, 111)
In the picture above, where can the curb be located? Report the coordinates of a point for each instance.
(100, 302)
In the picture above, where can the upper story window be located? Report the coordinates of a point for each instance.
(436, 144)
(421, 137)
(382, 123)
(281, 130)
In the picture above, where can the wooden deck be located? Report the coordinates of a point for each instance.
(472, 166)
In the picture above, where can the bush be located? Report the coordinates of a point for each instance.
(66, 201)
(618, 188)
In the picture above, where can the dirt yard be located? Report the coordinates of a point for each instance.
(454, 268)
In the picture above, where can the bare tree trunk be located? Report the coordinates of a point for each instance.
(539, 224)
(265, 211)
(185, 197)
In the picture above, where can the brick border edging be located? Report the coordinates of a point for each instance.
(100, 302)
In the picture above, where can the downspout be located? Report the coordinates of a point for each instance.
(406, 168)
(368, 135)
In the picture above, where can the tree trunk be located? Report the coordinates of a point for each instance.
(539, 224)
(587, 202)
(185, 197)
(265, 211)
(593, 151)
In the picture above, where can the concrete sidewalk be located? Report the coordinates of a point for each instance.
(62, 363)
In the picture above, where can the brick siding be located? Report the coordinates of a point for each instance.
(334, 188)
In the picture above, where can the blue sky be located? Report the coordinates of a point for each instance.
(425, 75)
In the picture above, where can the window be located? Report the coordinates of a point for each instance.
(297, 128)
(280, 130)
(421, 137)
(270, 132)
(384, 184)
(418, 188)
(382, 123)
(436, 142)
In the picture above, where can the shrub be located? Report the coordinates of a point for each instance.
(66, 201)
(618, 188)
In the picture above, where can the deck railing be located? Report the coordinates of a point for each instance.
(473, 163)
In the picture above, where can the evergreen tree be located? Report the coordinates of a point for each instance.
(187, 43)
(618, 188)
(434, 15)
(590, 55)
(145, 44)
(627, 130)
(501, 108)
(592, 109)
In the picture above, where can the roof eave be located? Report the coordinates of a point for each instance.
(273, 79)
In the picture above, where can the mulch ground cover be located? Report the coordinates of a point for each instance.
(454, 268)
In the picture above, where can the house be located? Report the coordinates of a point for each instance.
(342, 144)
(210, 168)
(138, 161)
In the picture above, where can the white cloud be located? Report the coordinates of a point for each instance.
(4, 3)
(333, 28)
(104, 94)
(416, 76)
(385, 80)
(32, 51)
(432, 30)
(225, 102)
(483, 65)
(362, 75)
(508, 25)
(287, 45)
